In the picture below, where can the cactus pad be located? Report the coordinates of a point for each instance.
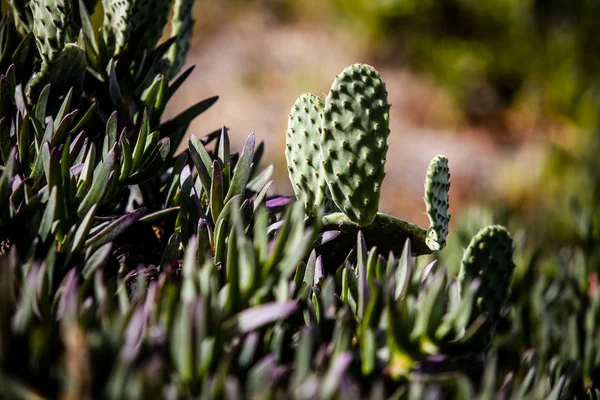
(50, 22)
(302, 152)
(489, 257)
(22, 14)
(437, 186)
(182, 24)
(123, 18)
(65, 72)
(353, 143)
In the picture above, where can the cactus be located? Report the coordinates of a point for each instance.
(67, 69)
(182, 25)
(22, 14)
(437, 186)
(353, 144)
(302, 155)
(50, 21)
(141, 20)
(489, 257)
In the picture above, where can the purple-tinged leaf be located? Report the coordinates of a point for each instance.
(326, 237)
(275, 204)
(256, 317)
(113, 230)
(96, 260)
(274, 226)
(241, 174)
(319, 272)
(334, 375)
(216, 191)
(159, 215)
(261, 195)
(134, 335)
(68, 295)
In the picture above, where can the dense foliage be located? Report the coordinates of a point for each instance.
(130, 271)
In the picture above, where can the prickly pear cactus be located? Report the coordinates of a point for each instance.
(142, 19)
(23, 16)
(182, 24)
(151, 28)
(50, 21)
(437, 187)
(489, 257)
(66, 71)
(116, 22)
(353, 143)
(302, 152)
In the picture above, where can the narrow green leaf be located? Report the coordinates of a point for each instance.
(179, 81)
(99, 184)
(242, 170)
(202, 162)
(48, 217)
(224, 147)
(261, 180)
(24, 143)
(127, 160)
(110, 135)
(216, 191)
(87, 173)
(256, 317)
(404, 272)
(96, 260)
(42, 103)
(82, 231)
(87, 117)
(5, 142)
(65, 107)
(114, 229)
(185, 118)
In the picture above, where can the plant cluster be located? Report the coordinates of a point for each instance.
(129, 271)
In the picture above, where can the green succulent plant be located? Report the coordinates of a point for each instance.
(336, 152)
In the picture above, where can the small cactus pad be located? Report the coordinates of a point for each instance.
(437, 186)
(50, 21)
(489, 257)
(354, 141)
(302, 152)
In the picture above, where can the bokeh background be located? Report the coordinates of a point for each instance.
(507, 89)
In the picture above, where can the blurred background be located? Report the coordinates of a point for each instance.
(507, 89)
